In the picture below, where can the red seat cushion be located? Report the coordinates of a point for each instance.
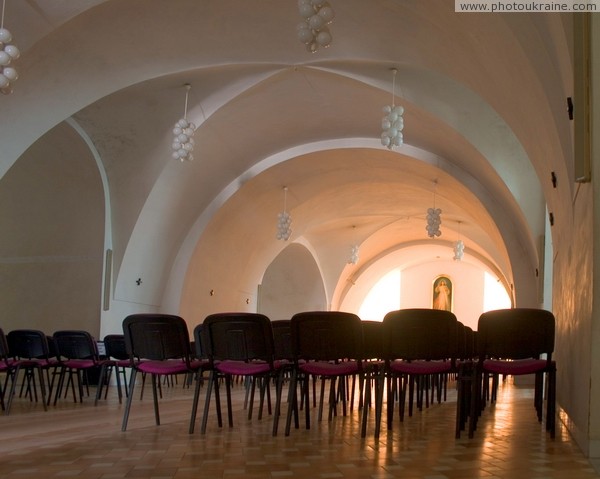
(325, 368)
(242, 368)
(515, 368)
(420, 367)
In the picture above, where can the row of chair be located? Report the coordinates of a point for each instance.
(66, 356)
(410, 349)
(412, 352)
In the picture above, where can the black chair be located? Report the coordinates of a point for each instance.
(327, 345)
(237, 344)
(117, 359)
(372, 365)
(30, 352)
(78, 355)
(515, 342)
(420, 349)
(6, 367)
(159, 345)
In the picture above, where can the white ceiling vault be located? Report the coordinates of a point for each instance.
(485, 125)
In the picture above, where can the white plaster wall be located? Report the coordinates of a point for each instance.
(291, 284)
(468, 288)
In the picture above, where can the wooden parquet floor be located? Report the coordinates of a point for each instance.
(79, 440)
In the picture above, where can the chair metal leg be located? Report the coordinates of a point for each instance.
(195, 402)
(292, 403)
(209, 387)
(155, 397)
(129, 398)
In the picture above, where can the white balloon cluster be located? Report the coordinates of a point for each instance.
(392, 125)
(459, 250)
(8, 53)
(284, 226)
(353, 254)
(313, 31)
(183, 141)
(433, 222)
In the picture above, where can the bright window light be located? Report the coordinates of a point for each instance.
(383, 298)
(494, 294)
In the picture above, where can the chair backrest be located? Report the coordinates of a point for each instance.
(197, 345)
(238, 336)
(28, 344)
(75, 344)
(372, 339)
(156, 337)
(517, 333)
(52, 349)
(461, 340)
(282, 337)
(114, 345)
(326, 336)
(4, 350)
(413, 334)
(470, 336)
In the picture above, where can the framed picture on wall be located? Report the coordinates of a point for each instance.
(442, 293)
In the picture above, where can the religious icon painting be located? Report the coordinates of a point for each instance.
(442, 293)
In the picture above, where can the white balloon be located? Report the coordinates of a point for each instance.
(192, 126)
(176, 145)
(317, 3)
(385, 124)
(305, 36)
(188, 131)
(4, 82)
(4, 58)
(182, 123)
(316, 22)
(181, 152)
(5, 35)
(183, 138)
(12, 51)
(385, 140)
(177, 131)
(324, 38)
(326, 13)
(188, 147)
(387, 109)
(306, 10)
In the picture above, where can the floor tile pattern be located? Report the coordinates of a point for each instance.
(82, 441)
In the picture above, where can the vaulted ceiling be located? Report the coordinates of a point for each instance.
(484, 99)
